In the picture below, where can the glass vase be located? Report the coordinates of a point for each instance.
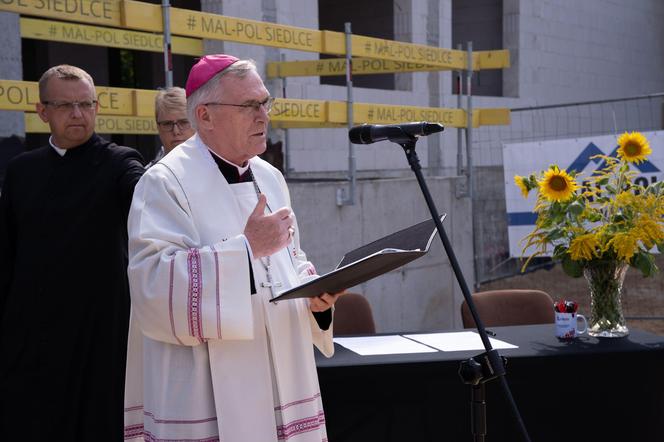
(605, 279)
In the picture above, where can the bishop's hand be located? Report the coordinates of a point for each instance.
(268, 233)
(324, 302)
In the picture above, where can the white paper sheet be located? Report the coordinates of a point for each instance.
(382, 345)
(458, 341)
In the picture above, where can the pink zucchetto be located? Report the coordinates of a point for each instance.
(206, 68)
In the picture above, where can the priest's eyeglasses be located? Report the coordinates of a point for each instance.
(169, 125)
(70, 105)
(254, 105)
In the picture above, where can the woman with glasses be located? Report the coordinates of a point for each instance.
(172, 123)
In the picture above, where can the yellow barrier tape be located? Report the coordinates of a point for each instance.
(104, 125)
(105, 12)
(491, 117)
(368, 66)
(139, 15)
(138, 106)
(407, 52)
(144, 102)
(497, 59)
(18, 95)
(107, 37)
(394, 114)
(148, 17)
(337, 66)
(143, 16)
(307, 125)
(302, 111)
(23, 95)
(218, 27)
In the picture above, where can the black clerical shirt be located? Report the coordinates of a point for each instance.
(232, 175)
(64, 294)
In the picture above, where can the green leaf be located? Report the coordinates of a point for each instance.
(554, 234)
(619, 217)
(645, 262)
(594, 217)
(559, 250)
(571, 267)
(576, 208)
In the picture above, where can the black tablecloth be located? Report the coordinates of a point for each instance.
(585, 390)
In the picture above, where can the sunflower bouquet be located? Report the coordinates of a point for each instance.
(608, 218)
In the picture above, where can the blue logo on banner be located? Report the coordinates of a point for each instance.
(578, 165)
(582, 161)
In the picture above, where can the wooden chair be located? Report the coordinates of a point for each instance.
(353, 316)
(509, 307)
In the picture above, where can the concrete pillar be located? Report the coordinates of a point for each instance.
(511, 30)
(11, 68)
(214, 7)
(434, 166)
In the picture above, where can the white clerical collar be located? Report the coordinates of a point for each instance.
(60, 151)
(240, 169)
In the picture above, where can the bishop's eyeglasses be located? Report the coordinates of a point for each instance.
(253, 105)
(169, 125)
(70, 105)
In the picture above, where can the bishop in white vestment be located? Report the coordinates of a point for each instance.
(210, 358)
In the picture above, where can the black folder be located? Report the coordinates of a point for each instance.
(367, 262)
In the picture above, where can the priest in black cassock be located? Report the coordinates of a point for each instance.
(64, 298)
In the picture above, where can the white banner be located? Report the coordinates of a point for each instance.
(569, 154)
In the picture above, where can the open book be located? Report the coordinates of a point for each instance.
(367, 262)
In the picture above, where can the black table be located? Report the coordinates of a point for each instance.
(586, 390)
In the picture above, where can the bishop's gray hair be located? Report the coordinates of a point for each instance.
(211, 91)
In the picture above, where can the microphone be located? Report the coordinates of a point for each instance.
(398, 133)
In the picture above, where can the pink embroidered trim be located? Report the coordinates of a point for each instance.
(170, 301)
(285, 432)
(216, 268)
(132, 431)
(301, 401)
(311, 270)
(149, 437)
(179, 421)
(194, 298)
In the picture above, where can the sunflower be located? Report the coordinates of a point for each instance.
(634, 147)
(521, 182)
(557, 185)
(584, 247)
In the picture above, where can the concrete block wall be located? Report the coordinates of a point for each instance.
(423, 295)
(575, 51)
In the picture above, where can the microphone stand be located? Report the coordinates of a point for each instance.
(489, 365)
